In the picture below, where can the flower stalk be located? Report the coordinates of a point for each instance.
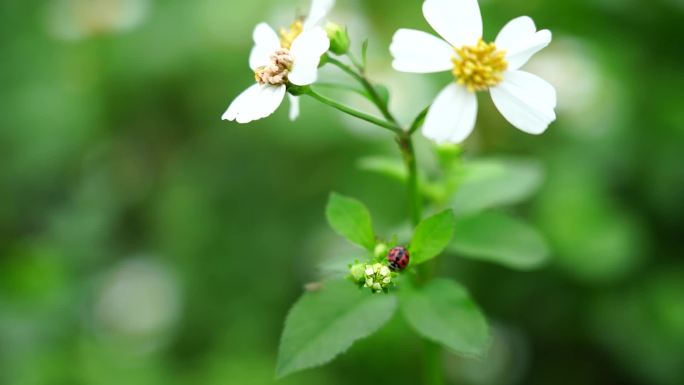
(353, 112)
(379, 102)
(409, 155)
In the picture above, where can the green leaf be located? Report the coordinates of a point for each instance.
(389, 167)
(501, 239)
(495, 182)
(442, 311)
(419, 120)
(351, 219)
(595, 239)
(432, 236)
(326, 323)
(395, 169)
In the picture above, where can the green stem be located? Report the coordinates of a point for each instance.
(355, 113)
(433, 371)
(341, 87)
(414, 197)
(365, 82)
(359, 66)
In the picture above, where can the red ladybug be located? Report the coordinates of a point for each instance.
(398, 258)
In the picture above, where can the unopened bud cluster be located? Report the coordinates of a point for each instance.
(377, 277)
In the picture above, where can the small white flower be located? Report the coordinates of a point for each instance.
(525, 100)
(278, 59)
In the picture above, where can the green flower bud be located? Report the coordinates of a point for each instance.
(339, 39)
(357, 272)
(380, 250)
(378, 277)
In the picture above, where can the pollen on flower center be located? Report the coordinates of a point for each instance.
(277, 71)
(288, 35)
(479, 67)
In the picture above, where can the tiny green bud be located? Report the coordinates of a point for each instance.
(339, 38)
(380, 250)
(449, 153)
(357, 272)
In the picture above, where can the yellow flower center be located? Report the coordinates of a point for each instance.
(479, 67)
(288, 35)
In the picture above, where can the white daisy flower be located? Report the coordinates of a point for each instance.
(291, 57)
(525, 100)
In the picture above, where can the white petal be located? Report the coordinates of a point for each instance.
(294, 107)
(266, 42)
(269, 99)
(257, 102)
(318, 13)
(452, 115)
(265, 35)
(420, 52)
(241, 103)
(306, 52)
(520, 39)
(458, 21)
(526, 101)
(259, 57)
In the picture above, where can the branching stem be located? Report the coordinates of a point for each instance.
(355, 113)
(414, 198)
(379, 102)
(432, 364)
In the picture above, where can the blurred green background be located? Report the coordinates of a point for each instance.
(145, 241)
